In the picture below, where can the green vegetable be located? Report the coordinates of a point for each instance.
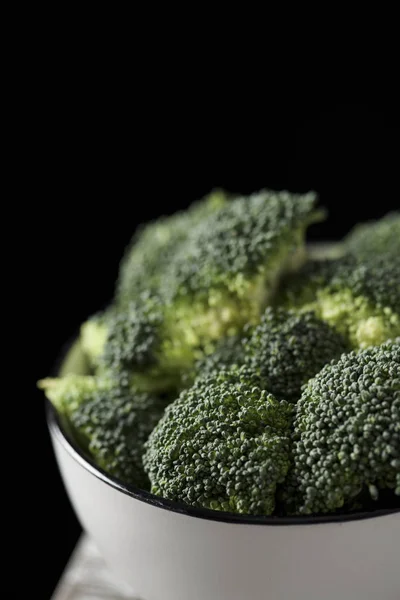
(223, 444)
(347, 432)
(155, 245)
(136, 341)
(236, 372)
(227, 353)
(360, 299)
(109, 420)
(229, 268)
(287, 349)
(375, 238)
(212, 270)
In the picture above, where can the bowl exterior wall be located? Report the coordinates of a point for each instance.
(164, 555)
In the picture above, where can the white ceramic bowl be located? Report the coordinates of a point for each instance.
(168, 551)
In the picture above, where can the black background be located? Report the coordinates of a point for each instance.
(102, 166)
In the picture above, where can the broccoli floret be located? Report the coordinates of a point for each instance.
(227, 353)
(224, 262)
(223, 444)
(288, 348)
(374, 238)
(142, 343)
(135, 340)
(133, 335)
(233, 260)
(360, 299)
(347, 432)
(110, 421)
(225, 269)
(154, 246)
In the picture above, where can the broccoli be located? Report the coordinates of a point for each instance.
(109, 420)
(237, 372)
(223, 445)
(138, 342)
(288, 348)
(374, 238)
(227, 353)
(219, 275)
(224, 264)
(154, 246)
(232, 262)
(359, 299)
(285, 349)
(346, 434)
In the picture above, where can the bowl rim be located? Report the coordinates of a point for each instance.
(84, 461)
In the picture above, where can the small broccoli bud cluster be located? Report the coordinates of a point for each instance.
(155, 246)
(109, 419)
(360, 299)
(226, 354)
(113, 425)
(375, 238)
(288, 348)
(133, 337)
(347, 432)
(248, 235)
(223, 444)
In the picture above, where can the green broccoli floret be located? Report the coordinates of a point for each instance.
(227, 353)
(288, 348)
(135, 340)
(233, 260)
(347, 432)
(374, 238)
(223, 445)
(224, 263)
(110, 421)
(133, 335)
(360, 299)
(155, 245)
(225, 269)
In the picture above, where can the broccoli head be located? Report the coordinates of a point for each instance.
(226, 354)
(347, 432)
(217, 263)
(233, 260)
(285, 349)
(154, 247)
(229, 258)
(223, 445)
(110, 421)
(374, 238)
(288, 348)
(360, 299)
(135, 340)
